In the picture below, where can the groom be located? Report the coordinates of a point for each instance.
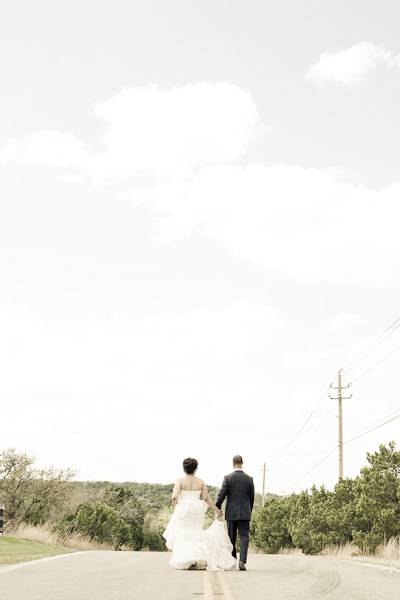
(238, 489)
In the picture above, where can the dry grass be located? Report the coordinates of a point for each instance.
(391, 550)
(45, 535)
(343, 551)
(386, 554)
(290, 551)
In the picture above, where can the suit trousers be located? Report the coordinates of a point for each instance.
(243, 527)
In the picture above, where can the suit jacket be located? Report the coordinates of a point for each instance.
(238, 489)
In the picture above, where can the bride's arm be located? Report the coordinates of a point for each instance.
(176, 492)
(207, 498)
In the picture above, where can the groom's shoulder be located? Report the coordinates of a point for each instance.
(247, 476)
(240, 473)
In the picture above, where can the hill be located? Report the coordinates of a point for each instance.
(155, 497)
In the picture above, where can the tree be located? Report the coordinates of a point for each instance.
(117, 519)
(340, 513)
(97, 521)
(29, 494)
(364, 510)
(377, 509)
(154, 526)
(271, 526)
(130, 508)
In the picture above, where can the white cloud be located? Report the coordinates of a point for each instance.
(54, 149)
(46, 148)
(151, 133)
(176, 148)
(351, 66)
(342, 322)
(10, 150)
(300, 223)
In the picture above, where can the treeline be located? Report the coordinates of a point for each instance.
(126, 515)
(364, 511)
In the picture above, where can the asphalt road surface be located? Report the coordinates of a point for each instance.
(146, 576)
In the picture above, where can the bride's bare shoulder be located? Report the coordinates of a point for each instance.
(200, 481)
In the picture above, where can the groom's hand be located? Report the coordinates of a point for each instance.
(220, 514)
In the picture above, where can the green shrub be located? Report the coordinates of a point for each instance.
(105, 524)
(270, 526)
(364, 510)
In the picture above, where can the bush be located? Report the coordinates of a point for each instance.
(270, 526)
(31, 495)
(154, 526)
(103, 523)
(97, 521)
(364, 510)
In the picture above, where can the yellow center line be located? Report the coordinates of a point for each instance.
(207, 587)
(224, 586)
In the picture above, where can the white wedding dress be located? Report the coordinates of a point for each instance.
(190, 542)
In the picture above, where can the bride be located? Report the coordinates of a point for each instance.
(192, 546)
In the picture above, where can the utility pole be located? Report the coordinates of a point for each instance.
(263, 485)
(340, 387)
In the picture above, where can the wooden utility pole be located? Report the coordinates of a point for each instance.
(340, 387)
(340, 419)
(263, 485)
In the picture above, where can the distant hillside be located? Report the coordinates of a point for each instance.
(154, 496)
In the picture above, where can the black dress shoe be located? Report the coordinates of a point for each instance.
(242, 566)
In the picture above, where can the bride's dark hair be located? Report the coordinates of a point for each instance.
(190, 465)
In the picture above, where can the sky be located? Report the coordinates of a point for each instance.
(199, 208)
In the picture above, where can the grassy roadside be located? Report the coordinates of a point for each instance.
(387, 555)
(14, 550)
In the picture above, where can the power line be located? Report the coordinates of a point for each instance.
(372, 346)
(377, 364)
(314, 467)
(350, 365)
(323, 460)
(322, 420)
(281, 452)
(378, 421)
(360, 435)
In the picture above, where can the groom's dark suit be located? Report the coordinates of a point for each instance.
(238, 489)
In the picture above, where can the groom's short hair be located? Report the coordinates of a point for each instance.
(237, 460)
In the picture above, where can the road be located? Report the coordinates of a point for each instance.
(146, 576)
